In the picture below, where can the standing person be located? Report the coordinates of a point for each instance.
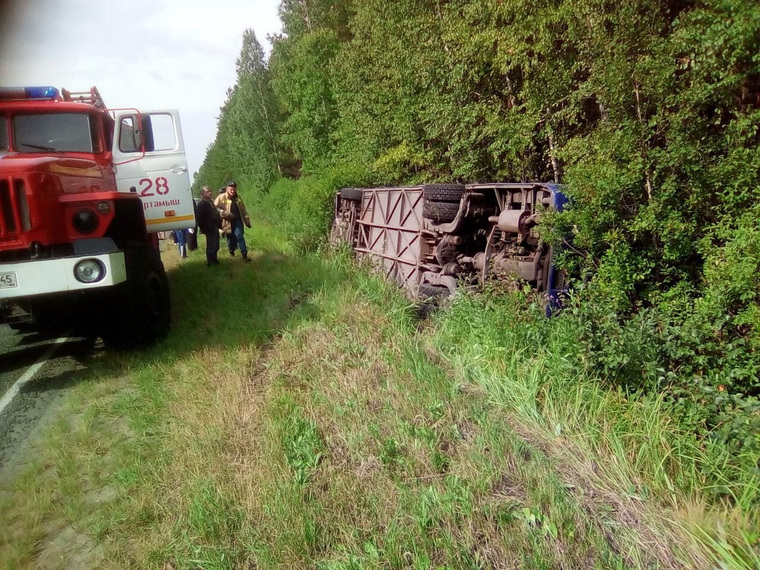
(234, 215)
(180, 238)
(209, 222)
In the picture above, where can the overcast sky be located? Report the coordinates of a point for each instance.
(149, 54)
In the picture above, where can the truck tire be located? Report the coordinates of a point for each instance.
(442, 212)
(140, 307)
(351, 194)
(443, 192)
(155, 302)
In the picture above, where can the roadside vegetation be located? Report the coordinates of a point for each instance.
(302, 414)
(646, 111)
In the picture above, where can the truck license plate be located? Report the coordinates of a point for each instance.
(8, 279)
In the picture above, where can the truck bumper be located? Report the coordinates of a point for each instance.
(40, 277)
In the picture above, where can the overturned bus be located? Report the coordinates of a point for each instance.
(433, 238)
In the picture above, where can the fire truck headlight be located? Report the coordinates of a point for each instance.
(85, 221)
(89, 271)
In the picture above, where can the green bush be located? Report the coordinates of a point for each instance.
(303, 208)
(707, 374)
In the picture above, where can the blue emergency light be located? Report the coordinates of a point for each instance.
(43, 92)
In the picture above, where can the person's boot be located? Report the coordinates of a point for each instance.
(246, 258)
(183, 251)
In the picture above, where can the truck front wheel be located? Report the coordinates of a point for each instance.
(155, 302)
(141, 306)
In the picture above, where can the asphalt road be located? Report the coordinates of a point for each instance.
(40, 395)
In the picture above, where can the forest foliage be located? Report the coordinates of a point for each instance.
(647, 110)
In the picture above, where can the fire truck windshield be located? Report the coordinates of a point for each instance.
(55, 132)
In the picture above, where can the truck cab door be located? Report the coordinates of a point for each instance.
(149, 159)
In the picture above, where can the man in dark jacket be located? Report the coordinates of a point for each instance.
(209, 222)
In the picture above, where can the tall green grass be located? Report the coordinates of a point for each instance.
(641, 448)
(293, 419)
(300, 415)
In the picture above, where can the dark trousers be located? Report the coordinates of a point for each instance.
(237, 239)
(212, 247)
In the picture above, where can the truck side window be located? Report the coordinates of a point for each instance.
(164, 135)
(130, 139)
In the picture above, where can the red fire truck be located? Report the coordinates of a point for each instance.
(83, 192)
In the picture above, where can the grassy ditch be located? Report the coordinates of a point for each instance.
(301, 416)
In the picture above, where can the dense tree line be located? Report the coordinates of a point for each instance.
(648, 110)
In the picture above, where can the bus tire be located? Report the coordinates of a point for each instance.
(443, 192)
(441, 212)
(351, 194)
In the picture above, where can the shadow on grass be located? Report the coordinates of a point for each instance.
(30, 347)
(218, 308)
(60, 380)
(235, 303)
(221, 308)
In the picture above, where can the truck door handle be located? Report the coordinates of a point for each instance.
(179, 169)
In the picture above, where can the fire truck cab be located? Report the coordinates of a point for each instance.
(83, 191)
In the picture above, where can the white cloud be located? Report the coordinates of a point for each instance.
(150, 54)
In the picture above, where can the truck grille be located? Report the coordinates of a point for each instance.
(14, 214)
